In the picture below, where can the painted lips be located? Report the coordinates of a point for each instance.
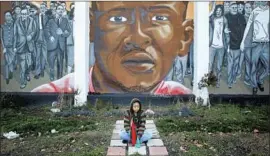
(138, 62)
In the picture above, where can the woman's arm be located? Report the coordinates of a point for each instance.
(141, 128)
(127, 121)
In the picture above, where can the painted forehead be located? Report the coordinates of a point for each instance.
(8, 13)
(178, 7)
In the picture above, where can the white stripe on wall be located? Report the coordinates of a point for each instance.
(81, 51)
(201, 42)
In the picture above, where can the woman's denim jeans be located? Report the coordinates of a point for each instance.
(145, 137)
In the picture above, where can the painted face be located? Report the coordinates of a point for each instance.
(52, 6)
(136, 42)
(233, 9)
(28, 8)
(219, 12)
(136, 107)
(43, 8)
(33, 12)
(248, 8)
(60, 10)
(226, 7)
(240, 8)
(64, 5)
(24, 14)
(18, 10)
(8, 17)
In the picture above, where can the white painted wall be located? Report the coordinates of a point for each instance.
(81, 51)
(201, 42)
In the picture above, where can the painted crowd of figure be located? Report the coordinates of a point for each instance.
(239, 35)
(183, 66)
(239, 39)
(33, 38)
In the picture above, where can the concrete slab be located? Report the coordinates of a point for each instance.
(156, 136)
(115, 136)
(116, 151)
(155, 142)
(149, 121)
(119, 127)
(117, 131)
(134, 150)
(117, 143)
(150, 126)
(158, 151)
(120, 122)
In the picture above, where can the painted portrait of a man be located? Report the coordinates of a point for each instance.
(135, 46)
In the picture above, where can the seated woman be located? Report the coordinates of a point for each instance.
(134, 124)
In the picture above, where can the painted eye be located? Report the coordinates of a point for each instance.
(118, 19)
(160, 18)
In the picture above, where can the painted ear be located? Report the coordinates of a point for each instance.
(91, 25)
(188, 35)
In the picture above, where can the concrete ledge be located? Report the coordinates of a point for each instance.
(37, 99)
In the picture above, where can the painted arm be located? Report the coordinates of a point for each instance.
(15, 35)
(250, 21)
(213, 8)
(48, 29)
(34, 28)
(2, 38)
(47, 33)
(227, 32)
(67, 29)
(62, 85)
(142, 125)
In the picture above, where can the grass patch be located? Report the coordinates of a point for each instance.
(222, 130)
(222, 118)
(23, 121)
(38, 124)
(98, 151)
(225, 144)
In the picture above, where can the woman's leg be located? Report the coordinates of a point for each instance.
(147, 135)
(124, 136)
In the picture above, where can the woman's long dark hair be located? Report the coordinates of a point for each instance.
(132, 103)
(222, 10)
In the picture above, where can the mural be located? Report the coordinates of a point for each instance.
(135, 47)
(239, 47)
(37, 44)
(139, 47)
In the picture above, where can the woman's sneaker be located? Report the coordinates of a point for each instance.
(145, 142)
(124, 141)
